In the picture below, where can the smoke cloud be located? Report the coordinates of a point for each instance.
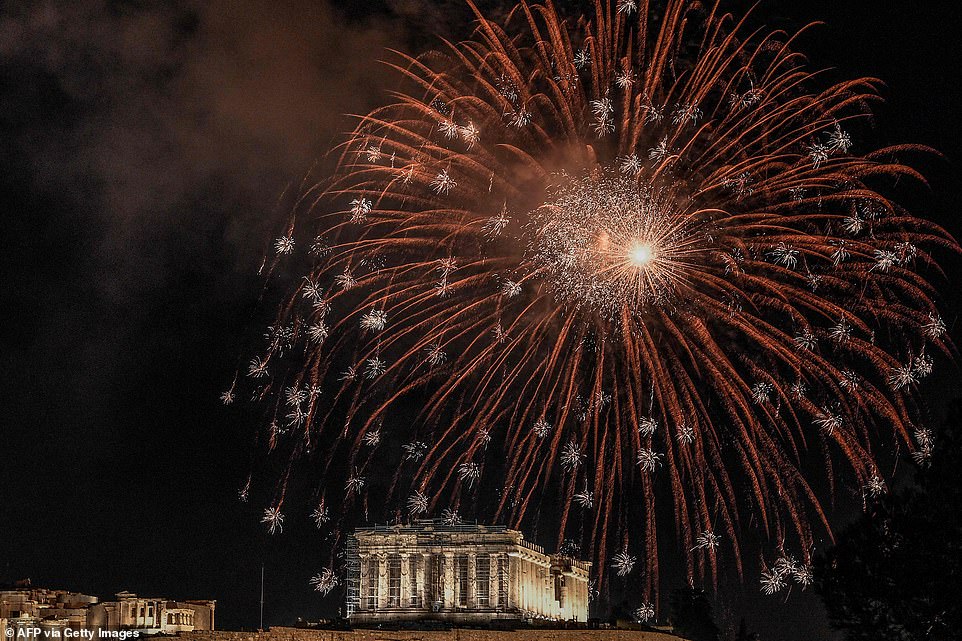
(143, 148)
(154, 140)
(160, 105)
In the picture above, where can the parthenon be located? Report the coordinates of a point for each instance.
(460, 573)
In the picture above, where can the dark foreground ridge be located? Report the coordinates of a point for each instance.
(453, 634)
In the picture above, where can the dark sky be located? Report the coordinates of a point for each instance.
(144, 146)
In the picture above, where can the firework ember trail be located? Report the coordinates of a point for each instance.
(631, 264)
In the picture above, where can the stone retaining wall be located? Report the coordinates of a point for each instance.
(457, 634)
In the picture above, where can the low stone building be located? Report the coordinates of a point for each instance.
(56, 610)
(51, 611)
(459, 573)
(151, 615)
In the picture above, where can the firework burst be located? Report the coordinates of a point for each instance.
(676, 218)
(274, 519)
(325, 581)
(645, 613)
(623, 563)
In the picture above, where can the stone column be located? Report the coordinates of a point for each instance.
(517, 581)
(504, 604)
(493, 591)
(382, 595)
(449, 581)
(566, 580)
(362, 583)
(405, 580)
(547, 590)
(426, 589)
(542, 591)
(472, 581)
(514, 582)
(420, 573)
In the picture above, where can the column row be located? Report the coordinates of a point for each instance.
(434, 581)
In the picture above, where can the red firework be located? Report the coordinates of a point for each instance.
(616, 257)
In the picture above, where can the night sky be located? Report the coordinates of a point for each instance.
(144, 146)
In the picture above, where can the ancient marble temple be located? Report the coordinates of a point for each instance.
(459, 573)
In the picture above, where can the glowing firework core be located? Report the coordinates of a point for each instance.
(613, 244)
(641, 254)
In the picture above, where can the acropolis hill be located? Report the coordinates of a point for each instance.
(456, 634)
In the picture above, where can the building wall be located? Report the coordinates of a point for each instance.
(203, 614)
(49, 610)
(57, 610)
(40, 602)
(152, 615)
(459, 573)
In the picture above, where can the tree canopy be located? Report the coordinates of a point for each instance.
(896, 573)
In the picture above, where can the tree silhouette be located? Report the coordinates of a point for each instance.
(896, 573)
(689, 613)
(743, 633)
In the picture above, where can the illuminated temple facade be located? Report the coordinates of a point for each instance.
(461, 574)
